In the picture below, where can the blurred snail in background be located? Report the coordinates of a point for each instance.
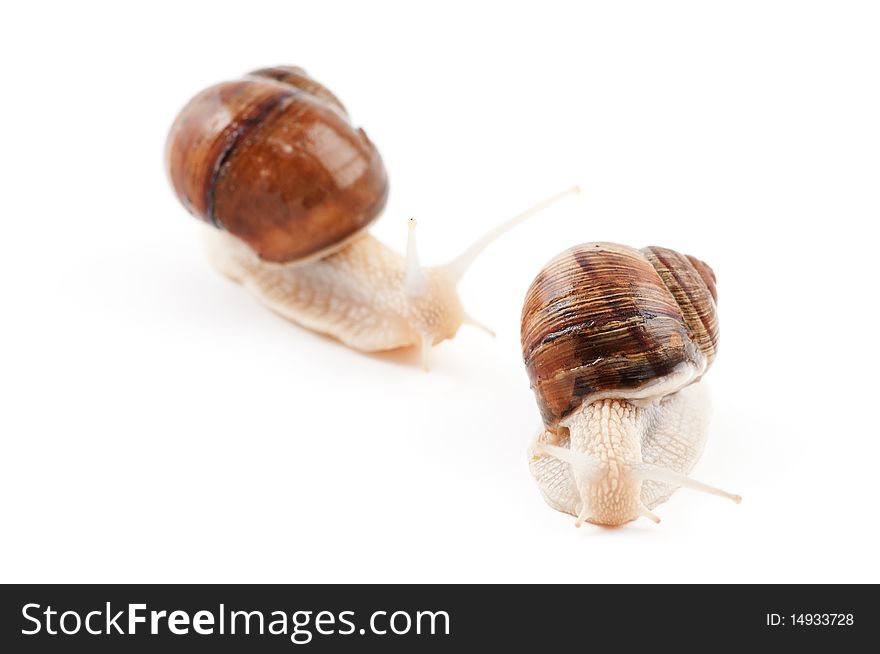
(614, 340)
(289, 186)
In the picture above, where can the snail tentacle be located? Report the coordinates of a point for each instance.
(473, 322)
(456, 268)
(646, 471)
(415, 281)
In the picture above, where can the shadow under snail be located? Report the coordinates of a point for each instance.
(289, 186)
(615, 341)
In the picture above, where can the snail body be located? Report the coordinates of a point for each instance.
(289, 187)
(357, 294)
(615, 341)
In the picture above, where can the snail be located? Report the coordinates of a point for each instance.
(615, 340)
(288, 186)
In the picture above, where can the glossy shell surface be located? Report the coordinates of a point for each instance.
(274, 159)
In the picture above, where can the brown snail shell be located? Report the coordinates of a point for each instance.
(607, 320)
(274, 159)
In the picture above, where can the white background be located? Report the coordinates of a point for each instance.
(158, 424)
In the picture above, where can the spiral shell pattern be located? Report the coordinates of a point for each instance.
(603, 319)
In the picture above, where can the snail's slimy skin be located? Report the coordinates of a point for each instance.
(358, 295)
(613, 461)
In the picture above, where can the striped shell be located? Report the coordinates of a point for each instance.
(606, 320)
(274, 159)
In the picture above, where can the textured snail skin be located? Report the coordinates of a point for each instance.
(614, 339)
(669, 433)
(356, 295)
(273, 159)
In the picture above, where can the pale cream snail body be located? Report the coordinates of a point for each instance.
(615, 341)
